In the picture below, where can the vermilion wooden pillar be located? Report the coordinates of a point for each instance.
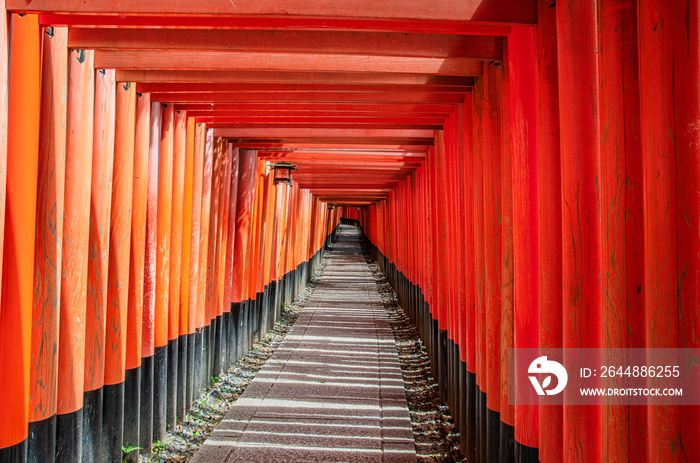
(670, 110)
(149, 280)
(220, 335)
(480, 281)
(43, 377)
(581, 220)
(200, 192)
(621, 198)
(190, 250)
(174, 348)
(222, 230)
(178, 255)
(493, 152)
(176, 342)
(210, 321)
(549, 219)
(228, 261)
(76, 229)
(523, 107)
(98, 261)
(118, 276)
(204, 140)
(468, 352)
(162, 280)
(4, 100)
(135, 299)
(19, 230)
(245, 197)
(509, 177)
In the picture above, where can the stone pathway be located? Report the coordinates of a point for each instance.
(333, 389)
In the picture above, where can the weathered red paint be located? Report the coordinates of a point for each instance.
(193, 208)
(163, 315)
(670, 92)
(621, 199)
(149, 278)
(176, 228)
(137, 248)
(76, 230)
(98, 245)
(197, 147)
(120, 235)
(493, 152)
(523, 121)
(581, 220)
(204, 141)
(549, 220)
(509, 177)
(232, 230)
(212, 240)
(222, 252)
(469, 322)
(44, 372)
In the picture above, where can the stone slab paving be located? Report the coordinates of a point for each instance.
(333, 390)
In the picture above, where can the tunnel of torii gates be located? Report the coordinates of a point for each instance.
(527, 173)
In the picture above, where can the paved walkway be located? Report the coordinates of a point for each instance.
(333, 389)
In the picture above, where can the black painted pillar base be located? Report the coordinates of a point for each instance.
(41, 444)
(470, 436)
(493, 435)
(189, 383)
(132, 406)
(231, 339)
(224, 341)
(243, 329)
(14, 454)
(112, 422)
(197, 364)
(265, 312)
(181, 402)
(526, 454)
(463, 400)
(273, 306)
(449, 386)
(171, 381)
(507, 442)
(204, 376)
(92, 426)
(146, 412)
(209, 352)
(216, 346)
(160, 392)
(442, 364)
(69, 437)
(481, 445)
(257, 325)
(234, 336)
(432, 346)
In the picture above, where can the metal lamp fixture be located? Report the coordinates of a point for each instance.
(283, 172)
(331, 206)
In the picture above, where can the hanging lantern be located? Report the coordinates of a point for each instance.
(331, 206)
(283, 172)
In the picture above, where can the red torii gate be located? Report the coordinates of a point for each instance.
(552, 200)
